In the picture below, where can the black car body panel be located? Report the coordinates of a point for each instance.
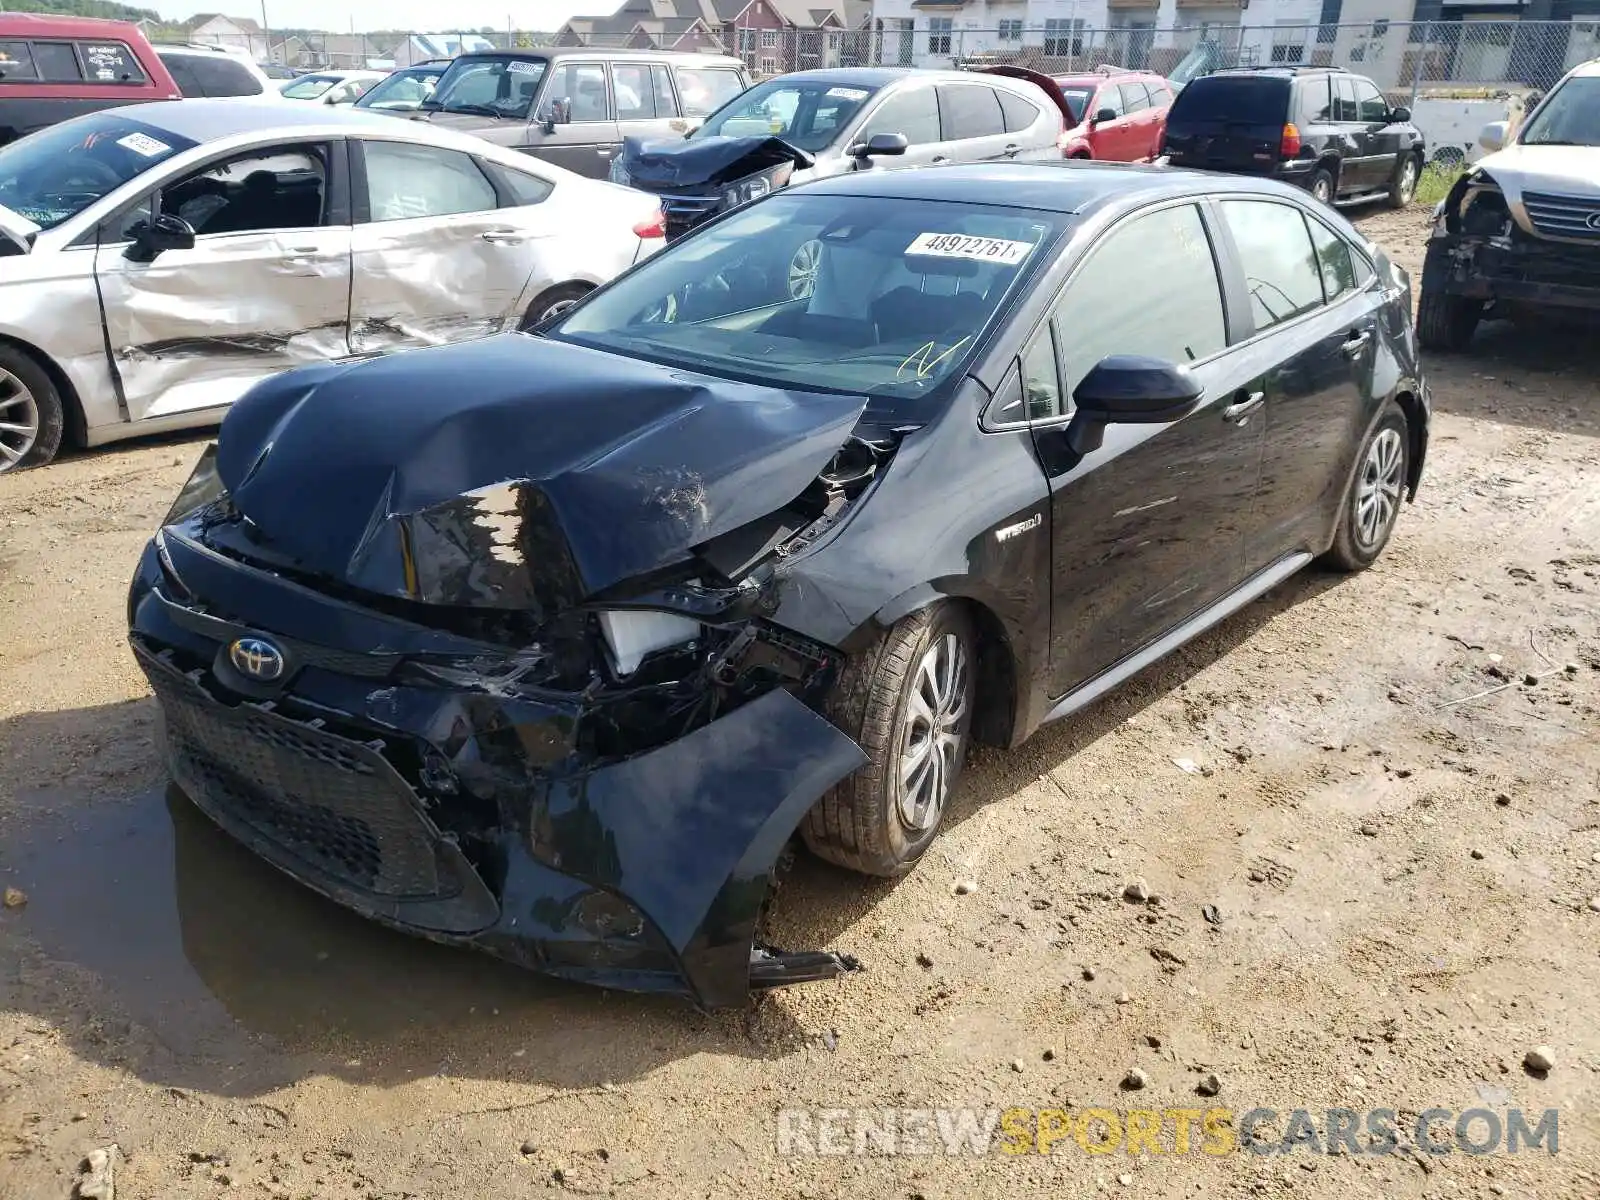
(1235, 121)
(693, 176)
(374, 619)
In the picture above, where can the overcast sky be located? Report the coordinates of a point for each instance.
(421, 16)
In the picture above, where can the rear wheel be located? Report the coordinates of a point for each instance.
(908, 702)
(552, 303)
(1403, 184)
(1322, 185)
(31, 416)
(1373, 502)
(1446, 322)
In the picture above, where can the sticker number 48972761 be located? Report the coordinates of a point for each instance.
(961, 245)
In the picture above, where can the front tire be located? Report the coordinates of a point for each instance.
(1372, 504)
(908, 702)
(1446, 322)
(31, 414)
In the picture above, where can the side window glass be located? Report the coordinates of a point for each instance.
(110, 62)
(188, 82)
(910, 111)
(661, 88)
(258, 192)
(1280, 264)
(1371, 107)
(522, 188)
(704, 90)
(584, 86)
(1111, 98)
(57, 62)
(1126, 300)
(635, 99)
(1363, 269)
(1334, 261)
(1344, 100)
(223, 77)
(16, 62)
(1316, 101)
(405, 181)
(1134, 97)
(1019, 113)
(969, 111)
(1041, 385)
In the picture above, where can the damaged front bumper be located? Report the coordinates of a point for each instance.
(471, 814)
(1513, 267)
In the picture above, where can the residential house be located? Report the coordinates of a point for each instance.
(772, 36)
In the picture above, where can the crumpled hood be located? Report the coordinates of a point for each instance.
(1564, 170)
(514, 472)
(687, 162)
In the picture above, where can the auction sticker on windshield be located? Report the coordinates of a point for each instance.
(961, 245)
(518, 67)
(143, 143)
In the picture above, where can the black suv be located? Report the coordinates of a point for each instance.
(1321, 128)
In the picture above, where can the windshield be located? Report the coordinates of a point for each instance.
(308, 87)
(1077, 100)
(495, 87)
(860, 294)
(403, 89)
(808, 115)
(1569, 117)
(54, 174)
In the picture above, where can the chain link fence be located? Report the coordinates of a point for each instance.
(1407, 59)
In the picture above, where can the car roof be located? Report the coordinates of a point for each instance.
(682, 56)
(211, 120)
(883, 76)
(1587, 69)
(1059, 186)
(1096, 77)
(1276, 72)
(46, 25)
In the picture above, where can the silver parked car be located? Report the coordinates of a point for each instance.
(158, 260)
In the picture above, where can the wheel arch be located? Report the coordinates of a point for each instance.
(1416, 436)
(75, 431)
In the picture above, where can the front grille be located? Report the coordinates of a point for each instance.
(1563, 216)
(321, 801)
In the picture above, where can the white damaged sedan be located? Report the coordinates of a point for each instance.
(158, 260)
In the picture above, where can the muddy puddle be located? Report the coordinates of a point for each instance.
(210, 949)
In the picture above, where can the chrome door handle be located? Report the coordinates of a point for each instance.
(1013, 150)
(1356, 343)
(1239, 411)
(503, 237)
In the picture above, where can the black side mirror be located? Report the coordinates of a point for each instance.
(1400, 116)
(1129, 389)
(1105, 114)
(557, 112)
(880, 143)
(150, 238)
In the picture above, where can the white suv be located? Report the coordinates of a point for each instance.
(1520, 231)
(216, 72)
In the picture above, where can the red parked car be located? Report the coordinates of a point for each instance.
(52, 68)
(1121, 115)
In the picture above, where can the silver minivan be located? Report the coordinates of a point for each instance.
(814, 124)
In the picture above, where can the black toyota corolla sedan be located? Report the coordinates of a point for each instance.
(549, 643)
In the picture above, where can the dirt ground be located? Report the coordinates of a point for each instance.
(1400, 887)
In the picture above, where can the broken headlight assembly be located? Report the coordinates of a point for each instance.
(204, 487)
(753, 187)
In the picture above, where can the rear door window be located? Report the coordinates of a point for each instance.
(661, 88)
(969, 111)
(631, 84)
(57, 62)
(110, 62)
(706, 89)
(1018, 113)
(910, 111)
(221, 76)
(16, 62)
(1239, 100)
(1344, 100)
(1280, 264)
(406, 181)
(1134, 97)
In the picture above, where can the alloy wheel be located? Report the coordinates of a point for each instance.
(1322, 189)
(803, 269)
(1408, 180)
(936, 711)
(19, 420)
(1378, 490)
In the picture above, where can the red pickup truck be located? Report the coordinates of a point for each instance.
(1120, 115)
(52, 68)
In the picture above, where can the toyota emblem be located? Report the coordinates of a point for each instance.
(256, 658)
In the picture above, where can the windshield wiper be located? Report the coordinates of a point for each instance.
(476, 110)
(1555, 142)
